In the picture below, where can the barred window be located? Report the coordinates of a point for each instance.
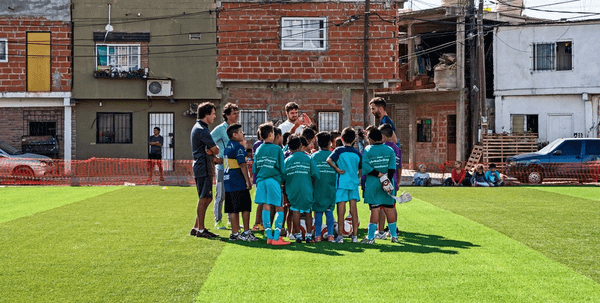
(423, 130)
(120, 57)
(3, 50)
(328, 121)
(250, 120)
(303, 33)
(553, 56)
(113, 128)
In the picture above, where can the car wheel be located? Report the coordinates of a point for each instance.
(535, 176)
(24, 174)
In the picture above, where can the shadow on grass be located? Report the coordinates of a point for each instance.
(408, 242)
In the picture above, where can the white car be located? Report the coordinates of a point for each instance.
(14, 163)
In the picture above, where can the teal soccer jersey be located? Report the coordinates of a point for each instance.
(324, 188)
(300, 173)
(268, 163)
(378, 157)
(347, 158)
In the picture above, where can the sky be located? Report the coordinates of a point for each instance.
(571, 6)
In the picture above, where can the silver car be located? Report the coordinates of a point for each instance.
(14, 163)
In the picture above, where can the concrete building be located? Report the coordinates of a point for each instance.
(546, 79)
(310, 52)
(140, 65)
(36, 73)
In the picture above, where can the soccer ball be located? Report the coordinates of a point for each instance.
(348, 226)
(303, 227)
(324, 234)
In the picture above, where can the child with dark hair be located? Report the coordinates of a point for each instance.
(493, 177)
(324, 188)
(300, 174)
(346, 161)
(270, 169)
(379, 165)
(458, 176)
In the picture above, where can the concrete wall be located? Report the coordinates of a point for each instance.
(55, 10)
(513, 61)
(138, 149)
(171, 54)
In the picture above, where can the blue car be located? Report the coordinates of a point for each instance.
(571, 158)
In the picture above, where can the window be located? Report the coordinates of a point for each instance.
(42, 129)
(250, 120)
(553, 56)
(3, 50)
(120, 57)
(524, 123)
(423, 130)
(113, 128)
(451, 129)
(592, 147)
(329, 121)
(303, 33)
(570, 148)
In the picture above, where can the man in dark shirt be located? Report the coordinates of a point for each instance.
(378, 110)
(203, 149)
(155, 154)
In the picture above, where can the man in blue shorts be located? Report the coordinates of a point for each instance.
(203, 147)
(346, 161)
(269, 169)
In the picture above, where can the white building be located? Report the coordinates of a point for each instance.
(547, 80)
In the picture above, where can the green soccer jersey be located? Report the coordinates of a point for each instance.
(325, 186)
(268, 163)
(378, 157)
(300, 173)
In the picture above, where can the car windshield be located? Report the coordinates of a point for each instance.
(548, 148)
(9, 149)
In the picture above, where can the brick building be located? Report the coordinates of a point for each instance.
(36, 73)
(310, 52)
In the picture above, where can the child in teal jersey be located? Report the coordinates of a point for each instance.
(269, 167)
(299, 177)
(324, 188)
(346, 161)
(379, 165)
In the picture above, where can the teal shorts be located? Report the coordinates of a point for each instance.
(345, 195)
(268, 191)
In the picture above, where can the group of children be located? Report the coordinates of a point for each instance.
(304, 176)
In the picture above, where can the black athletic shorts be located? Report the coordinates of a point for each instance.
(238, 201)
(382, 206)
(204, 187)
(155, 156)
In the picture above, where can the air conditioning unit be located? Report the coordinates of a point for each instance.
(159, 88)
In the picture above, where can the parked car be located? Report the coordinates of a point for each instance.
(571, 158)
(14, 163)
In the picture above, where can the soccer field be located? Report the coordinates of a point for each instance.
(74, 244)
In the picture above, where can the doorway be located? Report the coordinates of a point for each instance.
(165, 122)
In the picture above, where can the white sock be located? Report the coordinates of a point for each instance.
(200, 230)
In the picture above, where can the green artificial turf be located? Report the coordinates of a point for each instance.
(560, 222)
(16, 202)
(457, 245)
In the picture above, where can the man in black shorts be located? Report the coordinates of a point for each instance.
(155, 155)
(203, 148)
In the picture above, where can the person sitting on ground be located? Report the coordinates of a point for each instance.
(478, 178)
(493, 177)
(458, 176)
(421, 178)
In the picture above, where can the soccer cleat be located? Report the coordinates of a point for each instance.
(394, 240)
(299, 239)
(330, 239)
(258, 227)
(206, 234)
(220, 225)
(354, 239)
(291, 237)
(193, 232)
(310, 240)
(233, 237)
(381, 235)
(339, 239)
(248, 237)
(280, 242)
(367, 241)
(269, 241)
(318, 239)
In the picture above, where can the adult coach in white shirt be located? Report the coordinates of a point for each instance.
(294, 124)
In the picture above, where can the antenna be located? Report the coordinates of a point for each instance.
(108, 27)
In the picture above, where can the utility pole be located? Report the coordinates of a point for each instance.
(481, 68)
(366, 110)
(474, 82)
